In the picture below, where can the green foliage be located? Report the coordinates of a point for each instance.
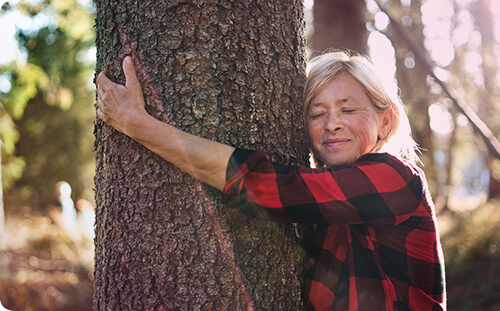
(46, 118)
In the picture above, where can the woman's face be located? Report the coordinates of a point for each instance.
(342, 122)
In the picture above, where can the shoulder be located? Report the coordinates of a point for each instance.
(392, 172)
(389, 162)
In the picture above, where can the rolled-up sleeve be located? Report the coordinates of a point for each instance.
(244, 189)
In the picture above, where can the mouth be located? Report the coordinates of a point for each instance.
(335, 142)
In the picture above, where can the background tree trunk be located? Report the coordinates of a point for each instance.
(339, 24)
(412, 81)
(488, 112)
(231, 71)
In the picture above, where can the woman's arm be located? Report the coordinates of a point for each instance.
(376, 189)
(122, 107)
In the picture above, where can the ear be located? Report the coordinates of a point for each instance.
(386, 121)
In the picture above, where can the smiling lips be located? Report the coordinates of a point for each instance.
(335, 142)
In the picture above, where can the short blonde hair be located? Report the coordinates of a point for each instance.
(325, 67)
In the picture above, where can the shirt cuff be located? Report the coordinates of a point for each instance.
(241, 162)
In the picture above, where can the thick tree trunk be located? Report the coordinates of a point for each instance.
(230, 71)
(339, 24)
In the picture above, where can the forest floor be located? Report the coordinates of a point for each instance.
(471, 243)
(45, 267)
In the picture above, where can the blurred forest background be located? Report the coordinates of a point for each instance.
(46, 129)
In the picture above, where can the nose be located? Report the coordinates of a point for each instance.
(333, 123)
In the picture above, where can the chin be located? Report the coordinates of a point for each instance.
(332, 161)
(337, 163)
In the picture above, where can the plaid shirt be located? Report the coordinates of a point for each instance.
(376, 244)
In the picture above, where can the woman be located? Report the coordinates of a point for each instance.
(376, 245)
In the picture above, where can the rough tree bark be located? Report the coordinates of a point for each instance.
(339, 24)
(230, 71)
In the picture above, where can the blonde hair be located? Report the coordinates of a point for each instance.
(325, 67)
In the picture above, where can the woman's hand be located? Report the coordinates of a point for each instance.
(121, 106)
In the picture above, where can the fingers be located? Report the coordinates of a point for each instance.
(130, 74)
(100, 91)
(100, 96)
(101, 115)
(100, 106)
(103, 81)
(117, 102)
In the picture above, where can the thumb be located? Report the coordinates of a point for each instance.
(130, 74)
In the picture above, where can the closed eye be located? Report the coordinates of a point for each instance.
(316, 115)
(347, 105)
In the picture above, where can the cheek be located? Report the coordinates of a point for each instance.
(366, 130)
(370, 136)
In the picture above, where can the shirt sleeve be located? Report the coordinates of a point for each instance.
(376, 189)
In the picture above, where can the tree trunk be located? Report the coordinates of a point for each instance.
(339, 24)
(484, 22)
(231, 71)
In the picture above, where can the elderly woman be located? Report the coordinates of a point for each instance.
(376, 244)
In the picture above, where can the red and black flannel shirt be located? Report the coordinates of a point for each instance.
(376, 245)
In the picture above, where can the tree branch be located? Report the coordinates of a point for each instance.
(479, 126)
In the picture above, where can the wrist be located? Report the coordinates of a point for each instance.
(136, 125)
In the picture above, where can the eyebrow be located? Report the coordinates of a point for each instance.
(342, 100)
